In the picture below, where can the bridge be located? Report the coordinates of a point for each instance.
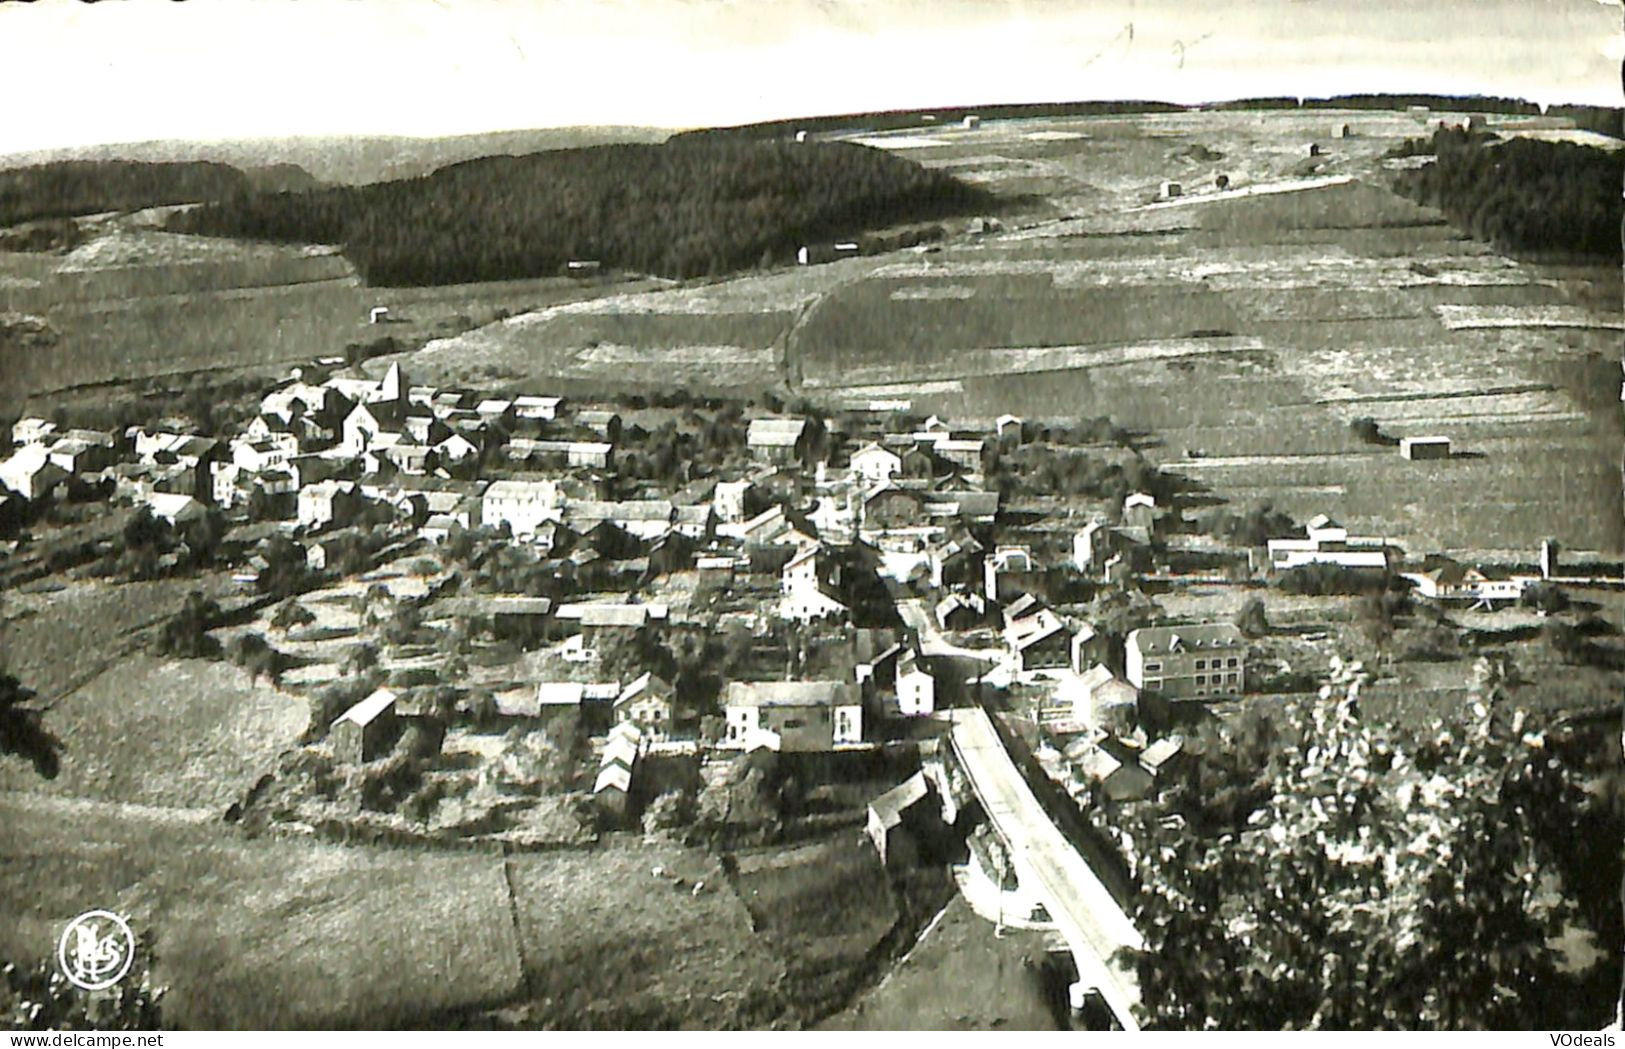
(1084, 912)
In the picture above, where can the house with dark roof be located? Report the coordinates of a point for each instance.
(650, 703)
(792, 716)
(1450, 581)
(895, 821)
(779, 441)
(1187, 662)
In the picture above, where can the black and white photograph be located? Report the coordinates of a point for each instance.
(824, 515)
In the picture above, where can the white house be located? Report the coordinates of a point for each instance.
(1094, 700)
(521, 505)
(777, 440)
(793, 716)
(330, 502)
(1424, 447)
(270, 452)
(1456, 582)
(875, 464)
(965, 453)
(649, 703)
(1329, 543)
(809, 586)
(25, 432)
(174, 507)
(30, 473)
(728, 499)
(916, 688)
(537, 407)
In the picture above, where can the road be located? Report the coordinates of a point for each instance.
(1084, 912)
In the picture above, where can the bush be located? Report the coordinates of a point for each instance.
(670, 812)
(1432, 644)
(1546, 597)
(1252, 620)
(1367, 430)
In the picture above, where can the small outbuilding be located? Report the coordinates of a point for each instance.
(971, 121)
(898, 821)
(367, 730)
(378, 315)
(1418, 448)
(1169, 190)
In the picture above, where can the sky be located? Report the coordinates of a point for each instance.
(77, 73)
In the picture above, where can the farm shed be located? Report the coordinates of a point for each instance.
(971, 121)
(1417, 448)
(367, 730)
(895, 818)
(1169, 190)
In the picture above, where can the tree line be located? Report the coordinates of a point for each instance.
(679, 209)
(86, 187)
(1524, 194)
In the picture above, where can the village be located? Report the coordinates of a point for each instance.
(520, 618)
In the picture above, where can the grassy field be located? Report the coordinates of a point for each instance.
(114, 338)
(608, 943)
(959, 977)
(270, 933)
(166, 732)
(57, 640)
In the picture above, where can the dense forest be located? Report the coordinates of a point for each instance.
(678, 209)
(1522, 194)
(86, 187)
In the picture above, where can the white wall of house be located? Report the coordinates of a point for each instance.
(916, 693)
(848, 724)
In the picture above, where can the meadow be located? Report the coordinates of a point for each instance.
(187, 733)
(355, 937)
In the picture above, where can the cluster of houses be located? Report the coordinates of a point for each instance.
(903, 511)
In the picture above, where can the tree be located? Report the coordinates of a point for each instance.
(254, 654)
(1366, 429)
(625, 654)
(1546, 597)
(402, 625)
(292, 614)
(22, 727)
(1362, 883)
(185, 635)
(1251, 620)
(286, 571)
(360, 659)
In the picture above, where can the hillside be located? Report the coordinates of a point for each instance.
(83, 187)
(348, 159)
(1523, 194)
(681, 209)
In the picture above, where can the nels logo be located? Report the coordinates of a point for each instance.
(96, 950)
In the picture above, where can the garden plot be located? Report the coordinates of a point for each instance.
(687, 355)
(1459, 317)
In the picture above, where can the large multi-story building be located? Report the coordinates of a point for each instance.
(1187, 662)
